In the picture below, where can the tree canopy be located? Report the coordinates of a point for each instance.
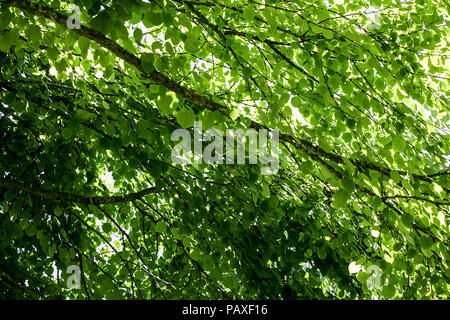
(358, 91)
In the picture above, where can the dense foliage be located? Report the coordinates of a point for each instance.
(359, 94)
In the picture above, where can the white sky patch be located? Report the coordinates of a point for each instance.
(107, 178)
(160, 252)
(296, 115)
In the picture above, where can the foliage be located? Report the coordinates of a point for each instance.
(362, 109)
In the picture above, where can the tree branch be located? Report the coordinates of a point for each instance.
(63, 196)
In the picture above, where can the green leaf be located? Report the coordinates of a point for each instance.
(273, 202)
(7, 39)
(137, 34)
(399, 144)
(9, 195)
(67, 133)
(388, 291)
(58, 211)
(52, 53)
(152, 19)
(185, 118)
(148, 62)
(328, 34)
(322, 14)
(103, 23)
(265, 190)
(340, 198)
(307, 167)
(191, 43)
(33, 33)
(426, 242)
(31, 230)
(165, 103)
(406, 219)
(234, 114)
(249, 13)
(186, 242)
(195, 254)
(177, 234)
(160, 227)
(107, 227)
(85, 115)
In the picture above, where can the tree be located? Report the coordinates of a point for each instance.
(359, 96)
